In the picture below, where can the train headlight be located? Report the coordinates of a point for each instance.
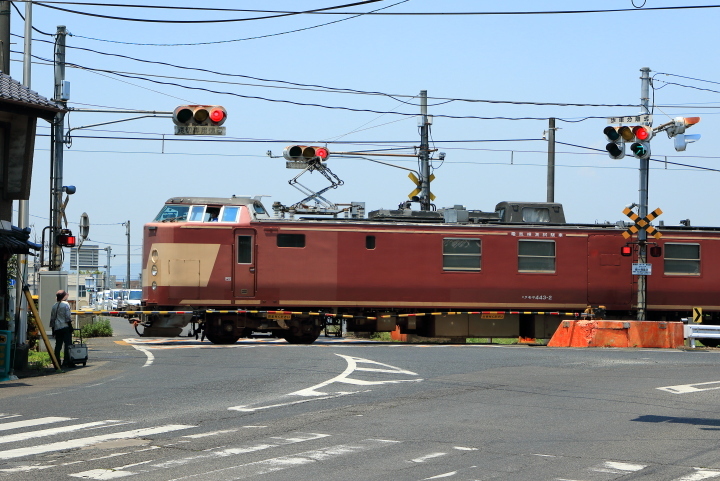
(154, 286)
(154, 270)
(154, 255)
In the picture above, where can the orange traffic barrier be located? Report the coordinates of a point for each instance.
(396, 336)
(596, 333)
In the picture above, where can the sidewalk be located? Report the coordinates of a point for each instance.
(96, 346)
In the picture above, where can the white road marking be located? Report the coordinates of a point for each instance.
(150, 355)
(463, 448)
(313, 394)
(617, 468)
(53, 431)
(89, 441)
(353, 367)
(214, 433)
(32, 422)
(206, 456)
(700, 474)
(286, 462)
(422, 459)
(445, 475)
(688, 388)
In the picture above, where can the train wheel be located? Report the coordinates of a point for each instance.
(302, 338)
(222, 338)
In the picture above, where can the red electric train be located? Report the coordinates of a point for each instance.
(231, 267)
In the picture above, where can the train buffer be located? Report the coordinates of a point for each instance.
(700, 331)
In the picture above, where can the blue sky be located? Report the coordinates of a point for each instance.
(130, 168)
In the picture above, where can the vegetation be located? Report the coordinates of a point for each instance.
(100, 328)
(38, 360)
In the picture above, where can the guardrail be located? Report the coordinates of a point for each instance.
(700, 331)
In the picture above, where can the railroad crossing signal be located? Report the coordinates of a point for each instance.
(417, 191)
(199, 120)
(643, 223)
(697, 314)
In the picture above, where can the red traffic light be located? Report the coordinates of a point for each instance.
(199, 119)
(218, 115)
(642, 133)
(304, 153)
(66, 239)
(626, 251)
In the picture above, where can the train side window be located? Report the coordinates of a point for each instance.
(196, 213)
(461, 254)
(229, 214)
(536, 256)
(682, 259)
(244, 249)
(370, 242)
(291, 240)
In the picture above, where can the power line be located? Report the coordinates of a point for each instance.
(227, 20)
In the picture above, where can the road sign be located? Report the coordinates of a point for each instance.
(697, 314)
(631, 119)
(641, 269)
(199, 130)
(643, 223)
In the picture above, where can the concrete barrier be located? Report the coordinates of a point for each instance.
(598, 333)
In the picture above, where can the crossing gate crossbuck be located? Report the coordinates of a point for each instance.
(643, 223)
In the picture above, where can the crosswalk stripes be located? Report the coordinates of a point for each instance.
(22, 451)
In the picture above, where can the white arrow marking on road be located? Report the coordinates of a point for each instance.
(315, 395)
(688, 388)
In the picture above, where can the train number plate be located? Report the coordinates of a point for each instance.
(279, 317)
(492, 316)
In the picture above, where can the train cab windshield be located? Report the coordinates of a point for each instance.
(198, 213)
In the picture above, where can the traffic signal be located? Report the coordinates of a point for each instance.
(641, 147)
(199, 120)
(616, 144)
(677, 132)
(66, 238)
(304, 153)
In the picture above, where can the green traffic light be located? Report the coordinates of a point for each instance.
(639, 150)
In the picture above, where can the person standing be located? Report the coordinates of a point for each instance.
(61, 325)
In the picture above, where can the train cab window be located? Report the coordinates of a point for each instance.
(197, 213)
(259, 209)
(682, 259)
(461, 254)
(172, 213)
(536, 214)
(536, 256)
(244, 249)
(370, 242)
(229, 214)
(212, 214)
(291, 240)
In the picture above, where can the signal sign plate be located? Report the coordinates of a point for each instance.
(641, 269)
(199, 130)
(631, 119)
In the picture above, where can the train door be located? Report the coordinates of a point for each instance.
(610, 282)
(244, 268)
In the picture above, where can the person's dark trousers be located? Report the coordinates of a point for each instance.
(63, 337)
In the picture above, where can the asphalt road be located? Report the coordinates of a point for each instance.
(177, 409)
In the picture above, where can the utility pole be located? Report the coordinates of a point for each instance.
(58, 128)
(643, 201)
(551, 161)
(127, 232)
(24, 205)
(424, 153)
(5, 37)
